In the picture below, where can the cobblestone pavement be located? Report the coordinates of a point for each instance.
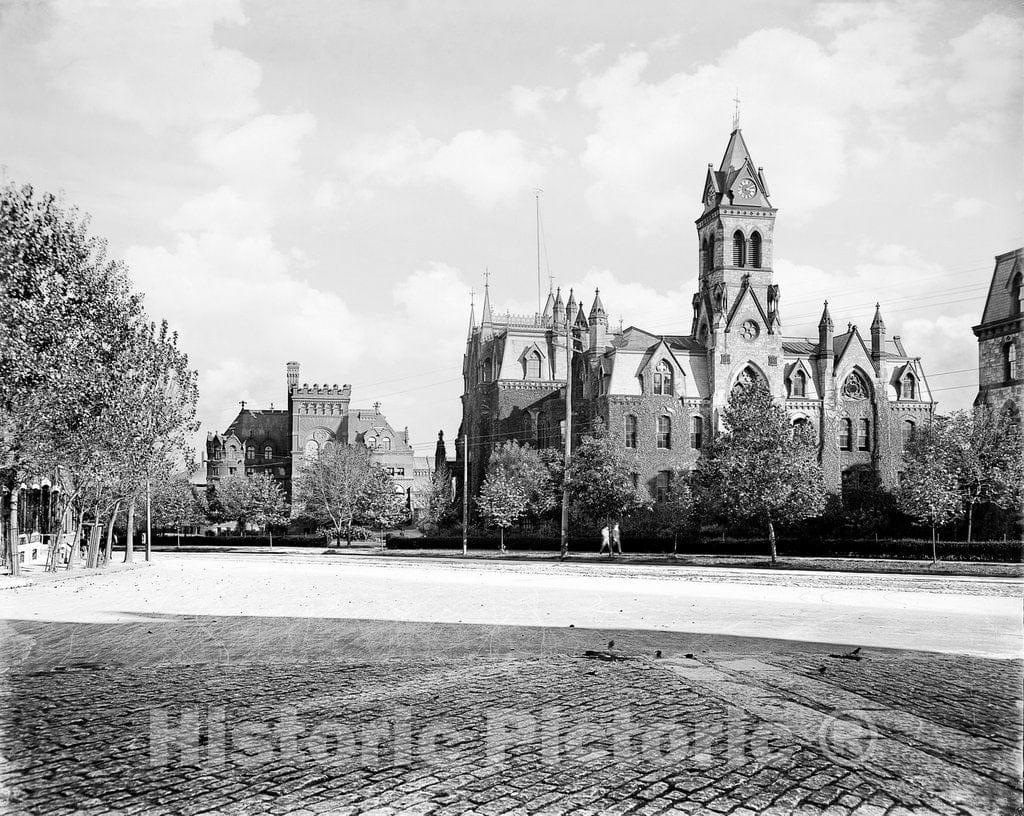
(241, 715)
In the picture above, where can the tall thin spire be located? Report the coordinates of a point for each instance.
(472, 312)
(826, 319)
(486, 317)
(736, 111)
(878, 323)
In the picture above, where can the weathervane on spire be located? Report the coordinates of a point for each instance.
(736, 111)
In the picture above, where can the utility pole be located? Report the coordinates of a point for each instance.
(149, 523)
(564, 546)
(465, 492)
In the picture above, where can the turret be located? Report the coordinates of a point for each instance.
(877, 335)
(291, 374)
(826, 331)
(558, 308)
(440, 453)
(598, 324)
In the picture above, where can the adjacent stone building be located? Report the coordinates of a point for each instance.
(1001, 337)
(277, 440)
(661, 395)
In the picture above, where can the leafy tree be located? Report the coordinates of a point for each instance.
(601, 479)
(268, 508)
(330, 485)
(233, 501)
(524, 466)
(440, 499)
(503, 500)
(678, 512)
(930, 490)
(380, 503)
(175, 503)
(760, 468)
(984, 450)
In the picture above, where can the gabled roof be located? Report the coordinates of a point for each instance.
(747, 290)
(653, 352)
(736, 152)
(843, 342)
(261, 427)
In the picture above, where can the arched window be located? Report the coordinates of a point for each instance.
(799, 385)
(527, 425)
(711, 252)
(533, 365)
(663, 379)
(487, 371)
(739, 249)
(704, 255)
(1010, 361)
(268, 452)
(1017, 292)
(909, 387)
(250, 452)
(864, 435)
(696, 432)
(845, 434)
(908, 431)
(664, 432)
(629, 429)
(384, 443)
(748, 376)
(312, 449)
(755, 250)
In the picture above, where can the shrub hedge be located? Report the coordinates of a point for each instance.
(213, 542)
(1002, 551)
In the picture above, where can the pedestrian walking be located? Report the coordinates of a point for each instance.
(616, 540)
(605, 541)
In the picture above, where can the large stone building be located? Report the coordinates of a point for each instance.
(276, 440)
(660, 395)
(1001, 336)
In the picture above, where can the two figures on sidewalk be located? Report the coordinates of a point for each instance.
(611, 539)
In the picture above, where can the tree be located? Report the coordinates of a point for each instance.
(502, 501)
(525, 467)
(985, 452)
(233, 501)
(760, 467)
(268, 507)
(176, 504)
(601, 479)
(929, 490)
(330, 485)
(380, 503)
(440, 499)
(678, 512)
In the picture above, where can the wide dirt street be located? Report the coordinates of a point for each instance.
(337, 684)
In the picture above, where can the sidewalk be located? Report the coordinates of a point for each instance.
(33, 574)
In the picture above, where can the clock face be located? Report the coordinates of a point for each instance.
(749, 330)
(747, 188)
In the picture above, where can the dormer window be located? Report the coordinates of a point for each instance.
(268, 453)
(533, 365)
(663, 379)
(1017, 294)
(909, 387)
(250, 452)
(798, 385)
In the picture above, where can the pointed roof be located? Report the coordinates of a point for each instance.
(472, 316)
(486, 316)
(558, 307)
(570, 306)
(597, 310)
(736, 152)
(878, 324)
(549, 306)
(826, 319)
(581, 317)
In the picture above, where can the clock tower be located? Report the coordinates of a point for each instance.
(736, 308)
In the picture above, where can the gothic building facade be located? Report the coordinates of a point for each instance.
(661, 395)
(276, 441)
(1001, 337)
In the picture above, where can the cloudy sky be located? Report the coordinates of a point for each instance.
(325, 181)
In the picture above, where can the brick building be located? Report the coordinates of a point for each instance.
(1001, 336)
(660, 395)
(277, 440)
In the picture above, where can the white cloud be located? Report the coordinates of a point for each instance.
(264, 149)
(990, 60)
(806, 106)
(532, 101)
(584, 57)
(486, 166)
(155, 63)
(969, 207)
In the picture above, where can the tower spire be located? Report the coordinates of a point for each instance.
(486, 317)
(736, 111)
(472, 312)
(826, 319)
